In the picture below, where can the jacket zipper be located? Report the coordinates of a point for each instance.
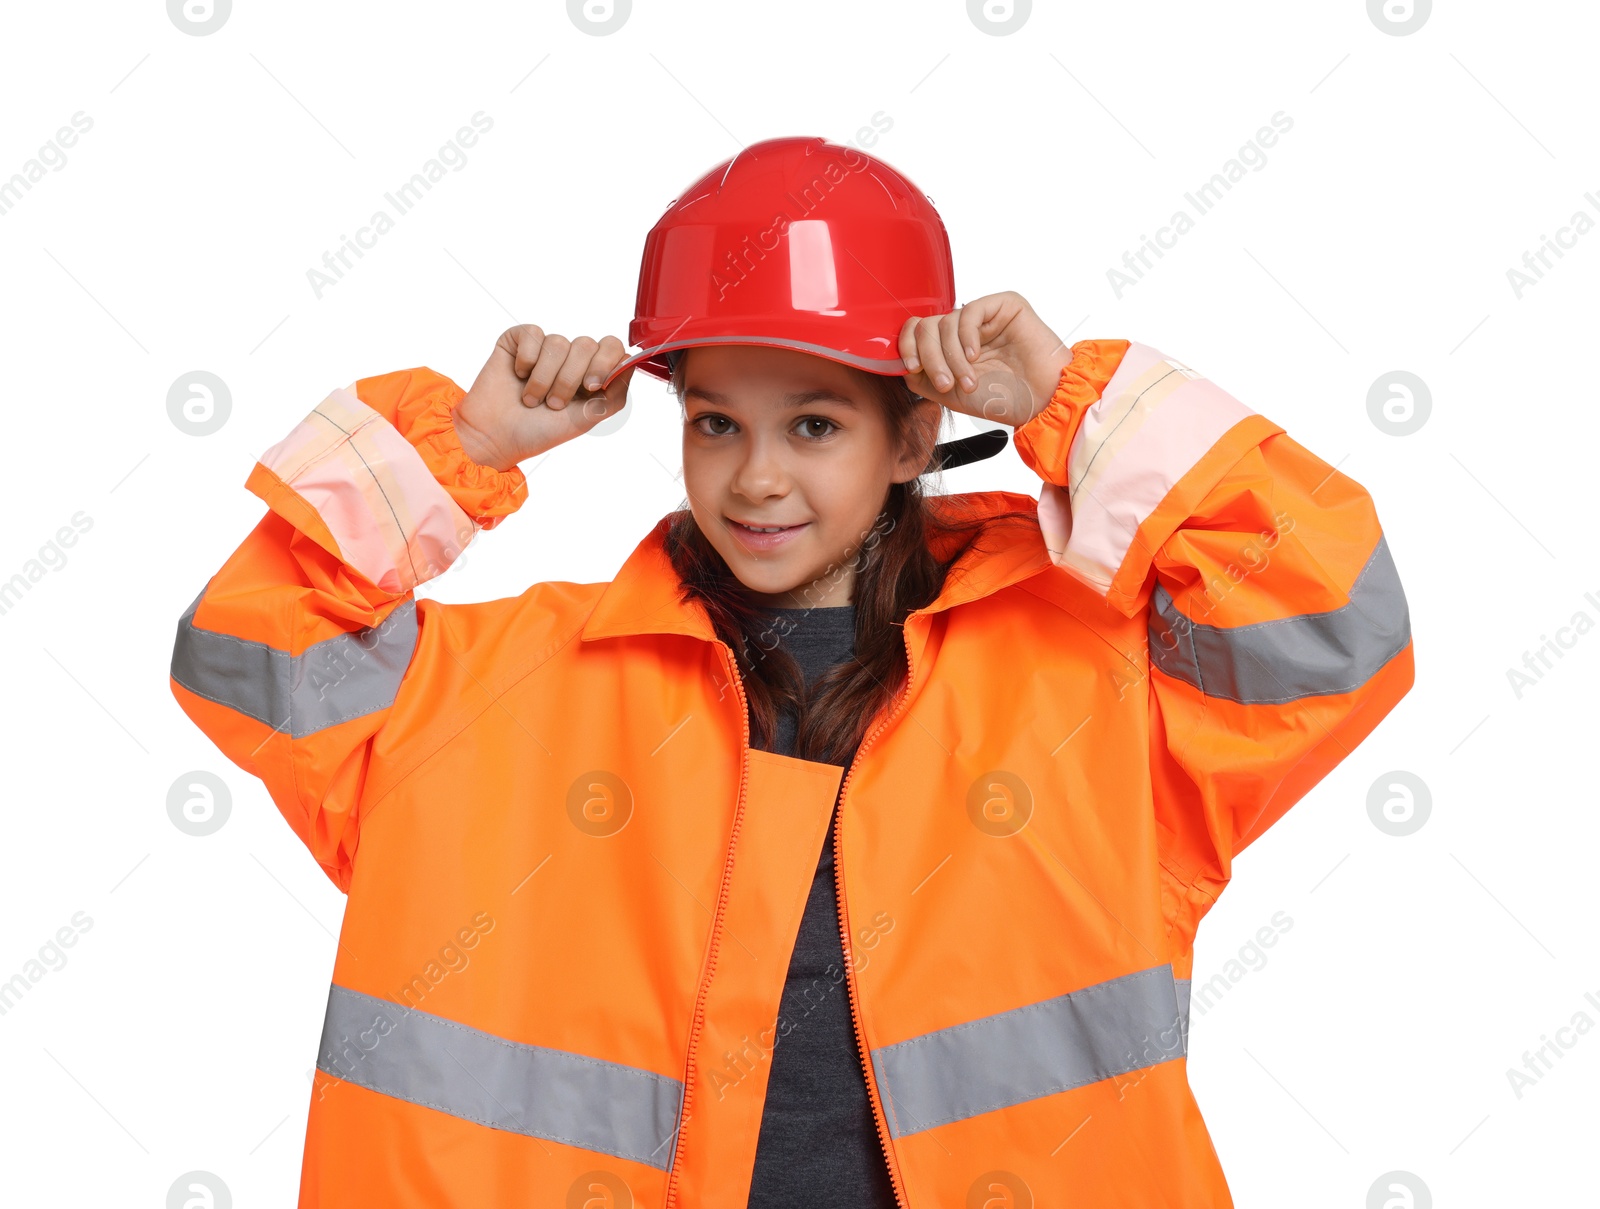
(879, 1119)
(844, 934)
(698, 1022)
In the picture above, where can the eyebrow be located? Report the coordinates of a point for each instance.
(798, 399)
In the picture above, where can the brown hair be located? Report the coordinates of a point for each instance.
(896, 571)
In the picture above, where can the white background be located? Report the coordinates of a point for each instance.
(177, 236)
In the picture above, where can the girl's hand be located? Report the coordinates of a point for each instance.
(537, 391)
(996, 343)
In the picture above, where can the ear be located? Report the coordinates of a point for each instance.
(921, 437)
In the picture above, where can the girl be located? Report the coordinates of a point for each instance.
(846, 848)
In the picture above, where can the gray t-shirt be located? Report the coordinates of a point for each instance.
(818, 1145)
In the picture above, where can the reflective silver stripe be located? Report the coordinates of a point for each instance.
(332, 681)
(1275, 661)
(1113, 1027)
(1183, 985)
(527, 1089)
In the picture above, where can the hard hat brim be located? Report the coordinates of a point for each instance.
(653, 360)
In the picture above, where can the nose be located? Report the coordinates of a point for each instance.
(761, 473)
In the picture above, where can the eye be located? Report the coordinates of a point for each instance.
(712, 418)
(832, 427)
(706, 424)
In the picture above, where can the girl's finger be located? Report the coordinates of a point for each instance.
(565, 386)
(552, 356)
(931, 355)
(606, 356)
(970, 329)
(954, 355)
(908, 344)
(601, 402)
(526, 341)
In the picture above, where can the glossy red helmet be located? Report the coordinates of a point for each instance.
(797, 243)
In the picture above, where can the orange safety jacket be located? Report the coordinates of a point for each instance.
(573, 887)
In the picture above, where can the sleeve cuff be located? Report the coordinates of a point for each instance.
(1129, 443)
(1045, 441)
(376, 475)
(485, 494)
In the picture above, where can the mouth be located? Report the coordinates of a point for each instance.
(764, 537)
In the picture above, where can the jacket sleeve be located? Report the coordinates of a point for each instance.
(1278, 631)
(292, 654)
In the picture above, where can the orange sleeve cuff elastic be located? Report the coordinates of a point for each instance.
(419, 403)
(1045, 441)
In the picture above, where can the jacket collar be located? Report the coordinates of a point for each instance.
(643, 597)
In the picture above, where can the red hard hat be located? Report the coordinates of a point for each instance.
(797, 243)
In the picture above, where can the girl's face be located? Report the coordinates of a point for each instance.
(777, 437)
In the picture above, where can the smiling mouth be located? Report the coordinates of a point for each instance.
(765, 528)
